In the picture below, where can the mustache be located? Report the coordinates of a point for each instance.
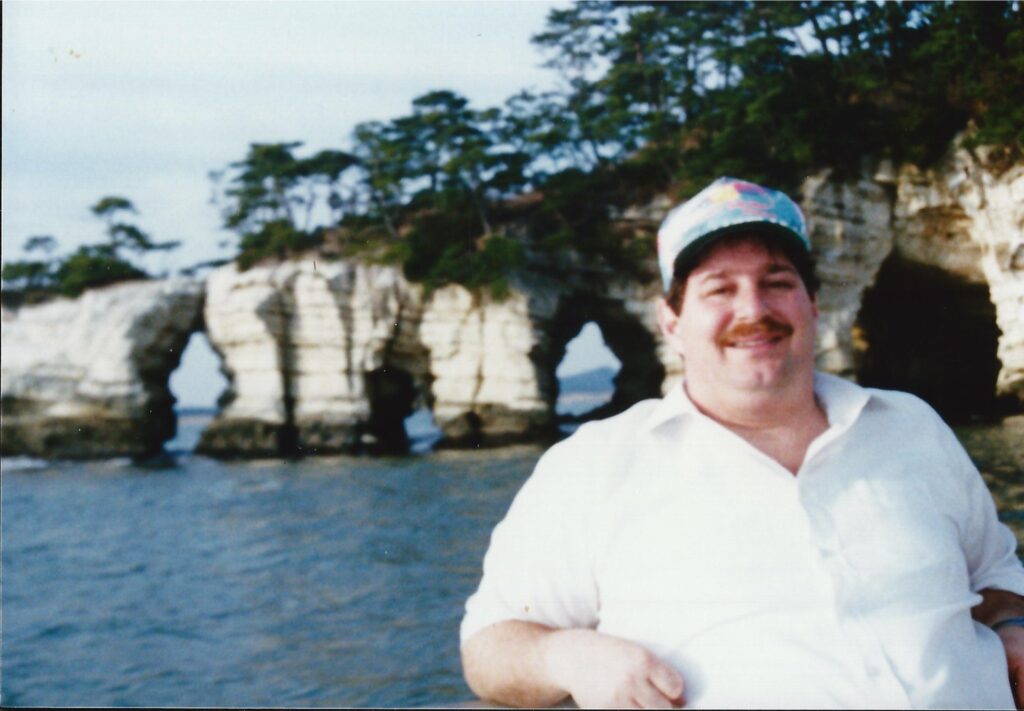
(766, 326)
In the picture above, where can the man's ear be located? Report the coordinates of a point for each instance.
(668, 319)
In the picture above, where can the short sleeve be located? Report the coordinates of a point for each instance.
(538, 566)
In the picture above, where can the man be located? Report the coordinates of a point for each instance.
(764, 536)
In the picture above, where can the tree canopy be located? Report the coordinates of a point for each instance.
(88, 266)
(652, 97)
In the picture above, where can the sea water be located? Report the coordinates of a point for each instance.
(321, 582)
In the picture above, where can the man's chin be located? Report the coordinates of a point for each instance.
(760, 376)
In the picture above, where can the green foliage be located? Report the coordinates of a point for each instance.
(89, 266)
(28, 275)
(437, 259)
(437, 242)
(771, 90)
(277, 239)
(381, 153)
(40, 243)
(92, 266)
(123, 235)
(272, 196)
(655, 97)
(436, 172)
(108, 206)
(491, 266)
(442, 248)
(454, 155)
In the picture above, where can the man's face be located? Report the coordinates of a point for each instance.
(746, 322)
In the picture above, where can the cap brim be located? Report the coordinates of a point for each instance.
(686, 258)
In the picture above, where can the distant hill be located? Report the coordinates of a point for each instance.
(598, 380)
(194, 411)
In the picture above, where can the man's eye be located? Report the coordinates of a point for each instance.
(782, 284)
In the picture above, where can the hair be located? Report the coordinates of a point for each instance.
(799, 257)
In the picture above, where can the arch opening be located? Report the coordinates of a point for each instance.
(197, 385)
(640, 373)
(926, 331)
(586, 374)
(392, 394)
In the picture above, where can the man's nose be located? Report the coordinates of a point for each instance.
(750, 302)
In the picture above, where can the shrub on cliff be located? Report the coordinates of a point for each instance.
(429, 180)
(92, 266)
(89, 266)
(444, 249)
(274, 200)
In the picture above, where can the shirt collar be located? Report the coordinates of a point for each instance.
(675, 404)
(842, 401)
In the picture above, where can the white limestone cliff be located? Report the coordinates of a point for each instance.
(88, 376)
(960, 217)
(850, 225)
(970, 220)
(331, 357)
(298, 341)
(335, 356)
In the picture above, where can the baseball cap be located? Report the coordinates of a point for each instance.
(726, 206)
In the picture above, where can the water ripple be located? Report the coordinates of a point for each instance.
(328, 582)
(334, 582)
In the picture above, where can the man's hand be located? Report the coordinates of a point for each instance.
(1013, 643)
(601, 671)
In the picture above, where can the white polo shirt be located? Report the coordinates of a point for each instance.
(848, 585)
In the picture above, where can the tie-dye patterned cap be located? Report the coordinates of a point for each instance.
(727, 205)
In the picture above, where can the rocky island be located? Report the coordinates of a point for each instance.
(923, 288)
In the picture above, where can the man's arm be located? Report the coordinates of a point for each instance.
(996, 606)
(526, 664)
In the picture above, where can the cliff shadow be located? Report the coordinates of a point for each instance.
(640, 375)
(923, 330)
(392, 393)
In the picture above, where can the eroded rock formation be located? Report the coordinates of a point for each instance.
(333, 357)
(969, 221)
(319, 359)
(944, 251)
(922, 288)
(88, 377)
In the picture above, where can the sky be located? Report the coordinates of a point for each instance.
(144, 99)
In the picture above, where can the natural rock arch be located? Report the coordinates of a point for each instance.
(89, 377)
(300, 344)
(641, 375)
